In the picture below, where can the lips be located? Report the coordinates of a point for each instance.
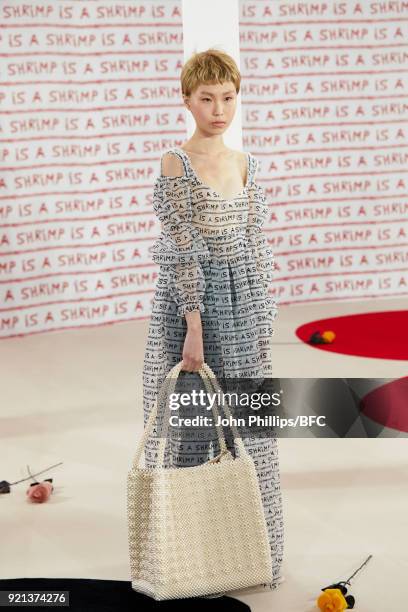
(219, 123)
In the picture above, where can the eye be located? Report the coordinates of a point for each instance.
(227, 98)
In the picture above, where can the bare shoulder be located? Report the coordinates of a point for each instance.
(241, 156)
(172, 165)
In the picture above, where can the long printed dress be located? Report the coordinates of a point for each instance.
(214, 257)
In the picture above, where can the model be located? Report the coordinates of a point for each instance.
(212, 301)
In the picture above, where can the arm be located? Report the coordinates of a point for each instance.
(262, 253)
(181, 249)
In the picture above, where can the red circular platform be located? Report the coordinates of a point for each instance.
(382, 335)
(387, 405)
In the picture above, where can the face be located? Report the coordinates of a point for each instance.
(213, 103)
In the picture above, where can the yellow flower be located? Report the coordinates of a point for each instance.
(332, 600)
(328, 336)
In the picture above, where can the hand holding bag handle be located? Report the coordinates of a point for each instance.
(168, 387)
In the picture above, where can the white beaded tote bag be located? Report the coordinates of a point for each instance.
(196, 530)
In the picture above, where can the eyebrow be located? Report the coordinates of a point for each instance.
(225, 92)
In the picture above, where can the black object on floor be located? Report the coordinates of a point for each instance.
(113, 596)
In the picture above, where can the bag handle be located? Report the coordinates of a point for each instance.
(167, 387)
(169, 384)
(209, 379)
(217, 389)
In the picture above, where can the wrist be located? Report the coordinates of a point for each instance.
(193, 320)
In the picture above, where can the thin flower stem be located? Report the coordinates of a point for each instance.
(31, 475)
(28, 470)
(357, 570)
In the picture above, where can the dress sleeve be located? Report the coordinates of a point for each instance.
(180, 249)
(262, 253)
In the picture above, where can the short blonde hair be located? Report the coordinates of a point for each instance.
(209, 67)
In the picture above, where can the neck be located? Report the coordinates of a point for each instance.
(206, 145)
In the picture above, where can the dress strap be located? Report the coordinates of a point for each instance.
(188, 171)
(252, 167)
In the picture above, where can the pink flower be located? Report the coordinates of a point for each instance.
(40, 491)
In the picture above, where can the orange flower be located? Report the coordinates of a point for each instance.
(332, 600)
(328, 336)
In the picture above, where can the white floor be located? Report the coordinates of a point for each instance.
(75, 396)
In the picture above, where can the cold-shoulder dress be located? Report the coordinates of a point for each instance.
(213, 257)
